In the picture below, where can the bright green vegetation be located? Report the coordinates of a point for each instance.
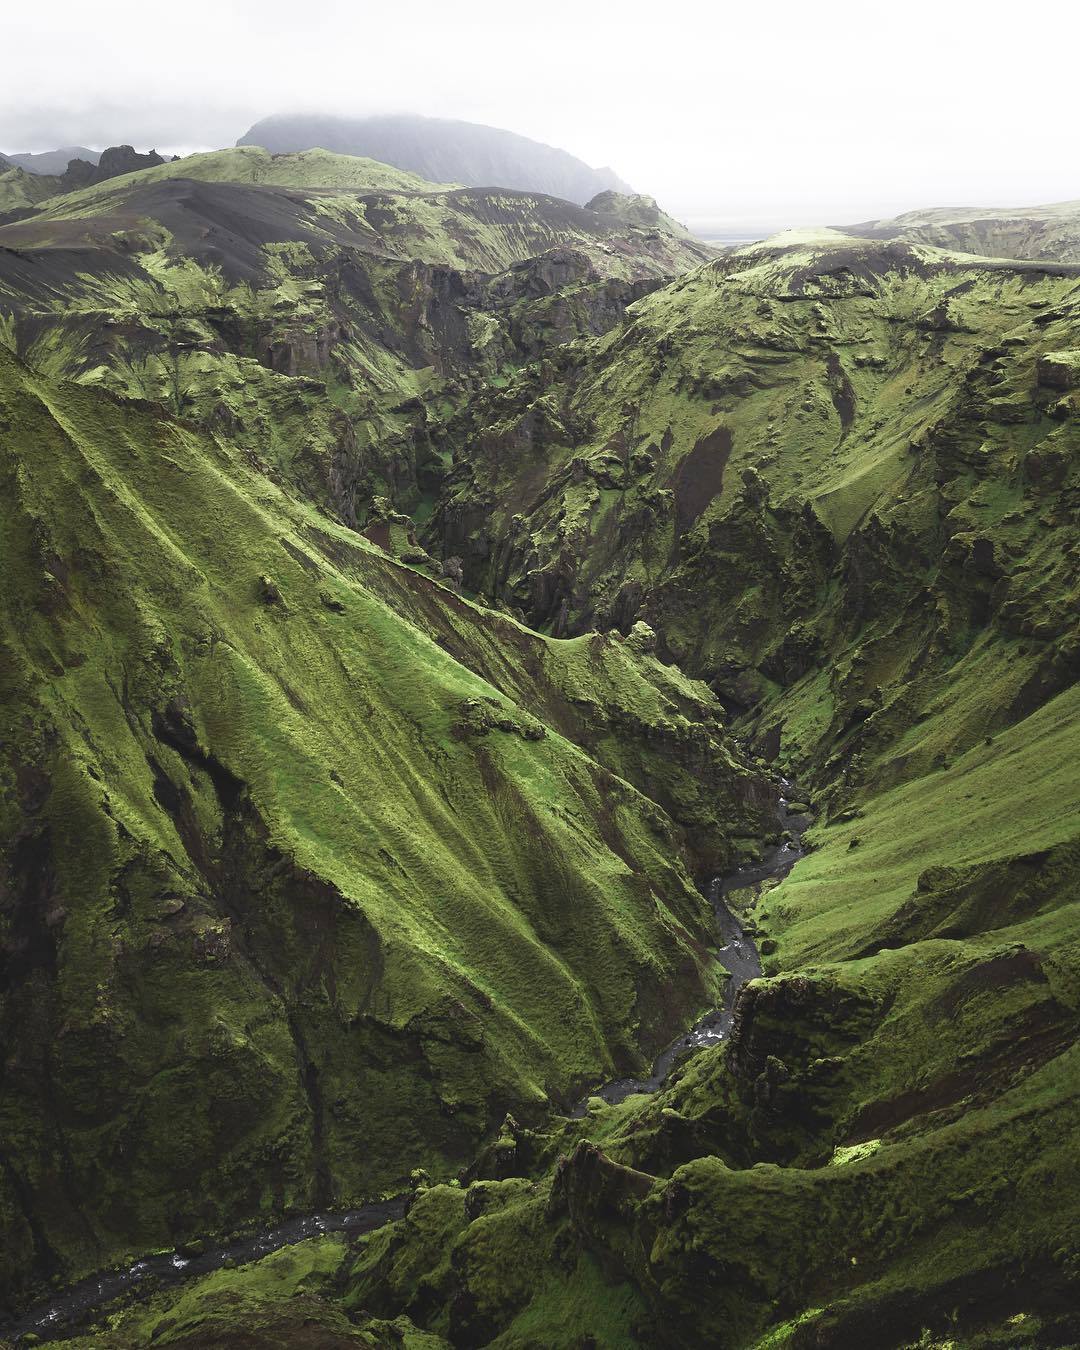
(840, 480)
(383, 574)
(315, 169)
(20, 190)
(886, 1141)
(304, 322)
(313, 870)
(251, 164)
(834, 475)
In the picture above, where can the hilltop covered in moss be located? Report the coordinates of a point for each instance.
(1036, 232)
(312, 324)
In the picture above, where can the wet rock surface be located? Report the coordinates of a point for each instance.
(151, 1273)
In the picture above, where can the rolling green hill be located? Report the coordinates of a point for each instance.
(20, 190)
(251, 164)
(21, 187)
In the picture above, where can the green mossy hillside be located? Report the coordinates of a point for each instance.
(329, 331)
(252, 164)
(313, 869)
(839, 479)
(20, 190)
(880, 1156)
(320, 871)
(836, 476)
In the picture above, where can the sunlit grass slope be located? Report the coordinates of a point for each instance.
(881, 1156)
(252, 164)
(295, 899)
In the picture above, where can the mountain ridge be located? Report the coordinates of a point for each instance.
(441, 150)
(1050, 232)
(53, 162)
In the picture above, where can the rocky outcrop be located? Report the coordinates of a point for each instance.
(116, 160)
(1059, 370)
(634, 209)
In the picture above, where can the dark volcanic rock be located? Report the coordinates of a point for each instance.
(118, 159)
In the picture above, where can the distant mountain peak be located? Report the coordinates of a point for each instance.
(441, 150)
(54, 161)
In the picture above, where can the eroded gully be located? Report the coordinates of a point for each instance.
(739, 957)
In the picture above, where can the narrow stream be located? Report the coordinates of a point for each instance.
(58, 1317)
(739, 957)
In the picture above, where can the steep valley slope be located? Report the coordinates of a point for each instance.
(310, 306)
(301, 847)
(312, 869)
(409, 594)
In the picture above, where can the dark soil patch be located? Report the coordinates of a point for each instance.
(699, 479)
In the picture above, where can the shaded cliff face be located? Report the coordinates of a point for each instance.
(112, 163)
(312, 869)
(837, 477)
(442, 151)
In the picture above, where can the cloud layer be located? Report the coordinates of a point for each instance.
(770, 112)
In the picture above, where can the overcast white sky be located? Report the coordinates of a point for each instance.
(757, 112)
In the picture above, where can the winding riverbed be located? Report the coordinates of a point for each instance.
(739, 957)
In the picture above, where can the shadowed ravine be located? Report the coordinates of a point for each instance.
(739, 957)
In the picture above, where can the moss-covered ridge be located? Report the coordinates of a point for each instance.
(245, 195)
(296, 899)
(840, 478)
(880, 1156)
(1035, 232)
(327, 330)
(835, 476)
(22, 191)
(251, 164)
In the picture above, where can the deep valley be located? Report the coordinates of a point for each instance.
(417, 597)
